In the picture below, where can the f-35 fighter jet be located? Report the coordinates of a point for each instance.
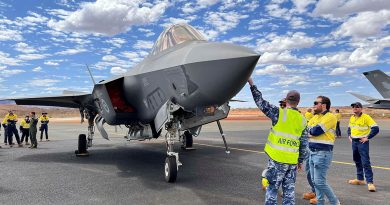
(184, 83)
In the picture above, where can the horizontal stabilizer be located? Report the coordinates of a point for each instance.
(364, 97)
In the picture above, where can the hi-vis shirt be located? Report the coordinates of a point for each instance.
(361, 126)
(44, 119)
(322, 131)
(338, 116)
(308, 116)
(11, 119)
(4, 121)
(24, 124)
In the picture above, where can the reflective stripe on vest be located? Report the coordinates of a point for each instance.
(283, 140)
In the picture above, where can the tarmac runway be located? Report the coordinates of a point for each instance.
(121, 172)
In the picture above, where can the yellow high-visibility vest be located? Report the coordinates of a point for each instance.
(308, 116)
(283, 140)
(361, 126)
(328, 124)
(24, 124)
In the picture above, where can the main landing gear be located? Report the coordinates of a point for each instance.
(85, 142)
(172, 162)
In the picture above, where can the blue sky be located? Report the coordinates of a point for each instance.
(318, 47)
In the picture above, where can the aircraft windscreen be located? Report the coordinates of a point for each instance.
(175, 35)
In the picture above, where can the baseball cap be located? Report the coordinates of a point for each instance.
(357, 104)
(293, 96)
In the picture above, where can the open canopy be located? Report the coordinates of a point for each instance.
(174, 35)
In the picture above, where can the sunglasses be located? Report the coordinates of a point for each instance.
(316, 103)
(356, 106)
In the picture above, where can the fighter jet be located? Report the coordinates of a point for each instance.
(184, 83)
(381, 82)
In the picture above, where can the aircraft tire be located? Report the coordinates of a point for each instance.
(82, 145)
(188, 139)
(170, 169)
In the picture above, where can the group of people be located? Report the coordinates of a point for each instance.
(295, 138)
(28, 128)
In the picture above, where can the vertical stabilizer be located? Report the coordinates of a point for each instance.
(380, 80)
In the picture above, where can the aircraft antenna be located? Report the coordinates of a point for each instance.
(90, 73)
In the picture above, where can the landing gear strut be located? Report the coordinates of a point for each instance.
(172, 162)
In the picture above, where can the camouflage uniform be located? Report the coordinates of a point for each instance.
(279, 174)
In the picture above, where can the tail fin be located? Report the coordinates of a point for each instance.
(380, 80)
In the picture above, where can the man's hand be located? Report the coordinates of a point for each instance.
(363, 140)
(350, 139)
(300, 167)
(250, 81)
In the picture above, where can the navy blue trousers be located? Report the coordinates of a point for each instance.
(361, 157)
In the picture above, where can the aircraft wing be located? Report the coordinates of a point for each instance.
(364, 97)
(68, 99)
(380, 81)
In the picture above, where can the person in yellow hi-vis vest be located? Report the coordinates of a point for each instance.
(361, 129)
(321, 141)
(286, 145)
(44, 125)
(11, 128)
(24, 129)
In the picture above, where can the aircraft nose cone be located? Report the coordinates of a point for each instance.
(220, 72)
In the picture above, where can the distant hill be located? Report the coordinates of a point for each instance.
(7, 102)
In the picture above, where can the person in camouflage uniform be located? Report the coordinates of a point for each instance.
(279, 173)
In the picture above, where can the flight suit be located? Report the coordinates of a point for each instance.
(33, 132)
(4, 124)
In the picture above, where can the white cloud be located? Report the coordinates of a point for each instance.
(240, 39)
(224, 21)
(24, 48)
(143, 45)
(275, 10)
(117, 70)
(43, 82)
(339, 71)
(276, 69)
(281, 43)
(335, 84)
(148, 32)
(52, 63)
(365, 24)
(285, 57)
(205, 3)
(10, 35)
(72, 51)
(256, 24)
(7, 73)
(338, 9)
(288, 80)
(117, 42)
(109, 58)
(32, 56)
(5, 59)
(359, 57)
(302, 4)
(37, 69)
(109, 17)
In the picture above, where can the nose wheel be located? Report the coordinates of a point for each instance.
(170, 169)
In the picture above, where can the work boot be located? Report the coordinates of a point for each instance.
(356, 182)
(27, 143)
(309, 195)
(20, 145)
(313, 201)
(371, 187)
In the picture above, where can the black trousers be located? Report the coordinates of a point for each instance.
(25, 133)
(5, 134)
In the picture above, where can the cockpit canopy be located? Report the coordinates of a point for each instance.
(174, 35)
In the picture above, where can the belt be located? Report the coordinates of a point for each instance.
(324, 149)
